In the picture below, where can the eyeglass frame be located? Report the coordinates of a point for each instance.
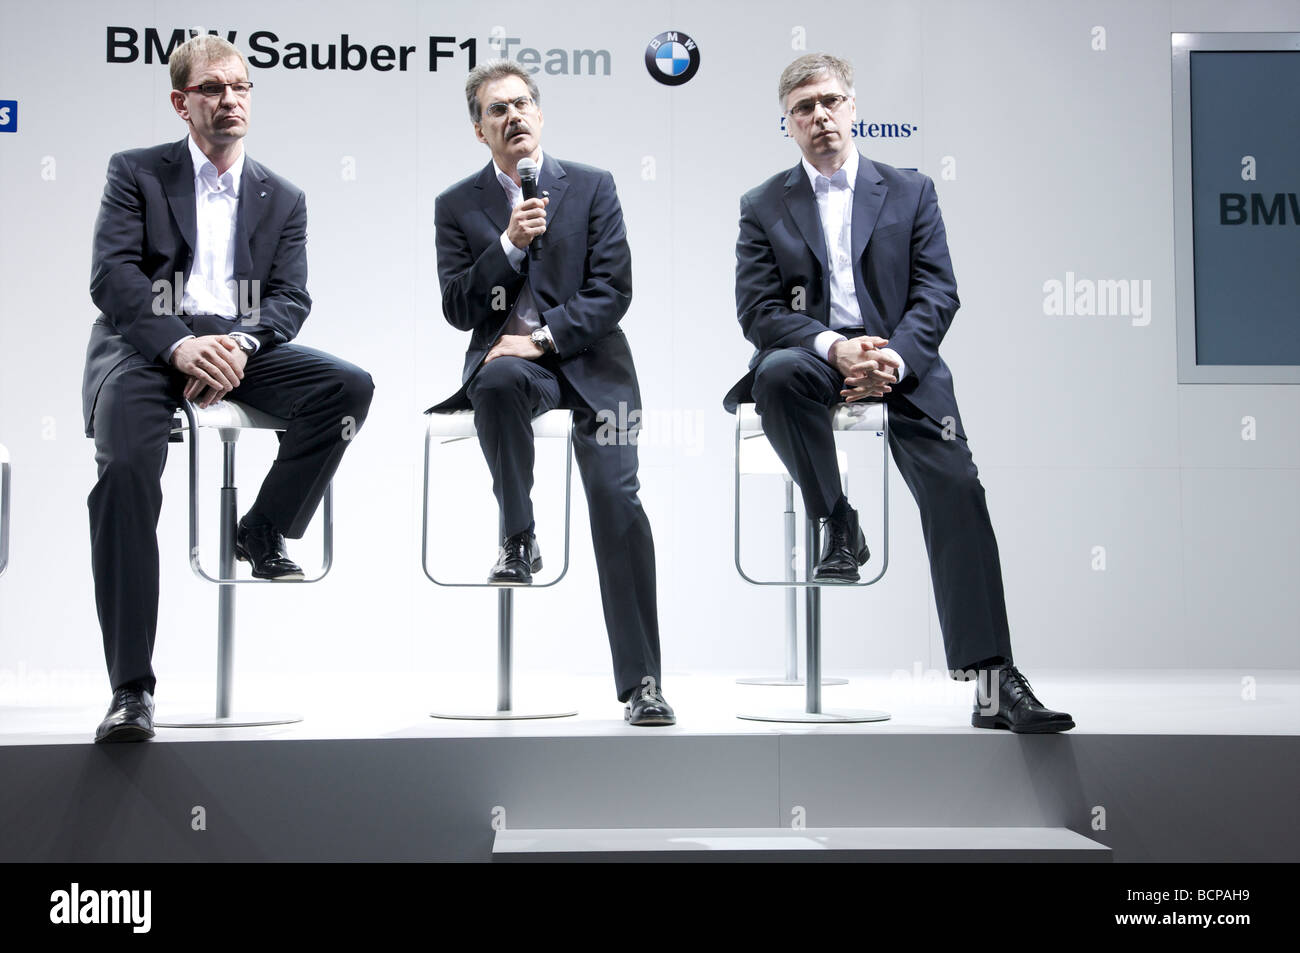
(505, 104)
(818, 101)
(199, 88)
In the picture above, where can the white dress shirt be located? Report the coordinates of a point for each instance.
(523, 318)
(210, 285)
(835, 210)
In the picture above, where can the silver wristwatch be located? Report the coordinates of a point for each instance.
(247, 343)
(542, 340)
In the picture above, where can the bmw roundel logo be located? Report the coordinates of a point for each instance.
(672, 58)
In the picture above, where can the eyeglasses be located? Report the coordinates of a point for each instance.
(216, 89)
(805, 107)
(497, 110)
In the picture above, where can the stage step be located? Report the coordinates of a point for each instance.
(865, 844)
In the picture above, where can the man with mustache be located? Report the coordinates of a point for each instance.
(845, 288)
(545, 335)
(236, 235)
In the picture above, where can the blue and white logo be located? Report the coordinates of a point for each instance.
(672, 58)
(8, 115)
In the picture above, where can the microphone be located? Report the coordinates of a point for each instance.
(527, 169)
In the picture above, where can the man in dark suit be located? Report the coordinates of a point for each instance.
(199, 272)
(845, 288)
(545, 335)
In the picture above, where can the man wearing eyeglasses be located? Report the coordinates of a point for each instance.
(545, 335)
(845, 288)
(200, 274)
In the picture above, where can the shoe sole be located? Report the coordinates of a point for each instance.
(648, 722)
(241, 554)
(124, 733)
(994, 721)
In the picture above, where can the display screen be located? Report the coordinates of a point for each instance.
(1245, 151)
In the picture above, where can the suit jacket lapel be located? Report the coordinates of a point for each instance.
(255, 191)
(552, 180)
(801, 202)
(492, 198)
(869, 193)
(177, 175)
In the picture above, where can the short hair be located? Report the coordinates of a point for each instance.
(199, 50)
(480, 76)
(810, 66)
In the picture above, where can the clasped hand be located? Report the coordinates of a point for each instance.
(867, 370)
(213, 365)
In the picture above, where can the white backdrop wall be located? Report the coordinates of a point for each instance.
(1137, 527)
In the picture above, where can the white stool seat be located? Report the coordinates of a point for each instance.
(459, 424)
(858, 416)
(231, 415)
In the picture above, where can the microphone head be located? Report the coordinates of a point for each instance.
(527, 168)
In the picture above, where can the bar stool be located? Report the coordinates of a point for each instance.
(5, 479)
(858, 417)
(455, 426)
(230, 419)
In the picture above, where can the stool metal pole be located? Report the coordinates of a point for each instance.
(791, 597)
(6, 476)
(505, 639)
(226, 594)
(813, 622)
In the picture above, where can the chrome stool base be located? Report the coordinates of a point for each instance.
(787, 682)
(845, 717)
(246, 720)
(500, 715)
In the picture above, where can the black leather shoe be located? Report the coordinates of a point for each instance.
(264, 548)
(129, 718)
(1017, 708)
(844, 549)
(520, 557)
(647, 707)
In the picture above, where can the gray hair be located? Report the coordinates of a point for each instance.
(480, 76)
(809, 67)
(199, 50)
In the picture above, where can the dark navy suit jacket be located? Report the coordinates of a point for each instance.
(582, 284)
(146, 233)
(901, 273)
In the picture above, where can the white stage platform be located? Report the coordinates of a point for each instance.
(1177, 766)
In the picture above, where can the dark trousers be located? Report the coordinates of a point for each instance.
(313, 390)
(506, 395)
(792, 390)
